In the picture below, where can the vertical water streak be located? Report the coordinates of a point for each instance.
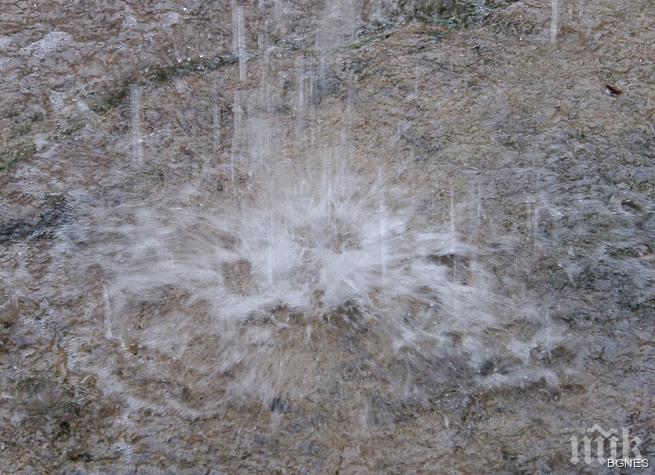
(216, 128)
(453, 232)
(532, 216)
(239, 39)
(262, 124)
(235, 26)
(109, 334)
(270, 250)
(135, 116)
(337, 27)
(266, 154)
(108, 317)
(238, 150)
(554, 21)
(310, 108)
(453, 227)
(476, 233)
(383, 225)
(329, 174)
(300, 106)
(237, 139)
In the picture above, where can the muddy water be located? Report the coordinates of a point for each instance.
(324, 237)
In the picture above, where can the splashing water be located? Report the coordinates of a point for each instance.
(302, 258)
(250, 285)
(296, 245)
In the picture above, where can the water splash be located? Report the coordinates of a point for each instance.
(254, 289)
(314, 252)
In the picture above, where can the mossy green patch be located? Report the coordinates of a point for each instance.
(103, 103)
(158, 74)
(189, 66)
(13, 154)
(452, 13)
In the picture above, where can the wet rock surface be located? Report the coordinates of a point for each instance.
(504, 134)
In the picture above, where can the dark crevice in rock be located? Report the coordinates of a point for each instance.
(35, 228)
(159, 74)
(451, 13)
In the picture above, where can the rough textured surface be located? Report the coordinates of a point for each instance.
(504, 132)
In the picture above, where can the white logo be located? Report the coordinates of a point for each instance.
(607, 442)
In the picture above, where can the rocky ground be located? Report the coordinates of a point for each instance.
(531, 134)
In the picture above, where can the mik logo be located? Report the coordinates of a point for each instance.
(605, 444)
